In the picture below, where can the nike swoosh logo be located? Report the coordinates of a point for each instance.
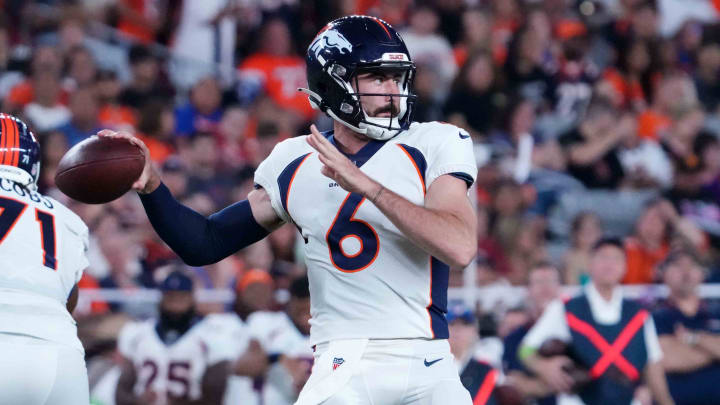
(463, 136)
(430, 363)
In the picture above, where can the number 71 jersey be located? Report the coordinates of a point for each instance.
(42, 255)
(367, 279)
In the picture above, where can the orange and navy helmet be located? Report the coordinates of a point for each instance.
(19, 152)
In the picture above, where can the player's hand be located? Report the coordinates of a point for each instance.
(149, 179)
(554, 374)
(339, 168)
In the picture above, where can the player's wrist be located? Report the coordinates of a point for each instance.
(152, 184)
(374, 192)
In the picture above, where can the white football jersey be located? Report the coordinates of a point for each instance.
(176, 369)
(279, 336)
(367, 279)
(240, 390)
(43, 249)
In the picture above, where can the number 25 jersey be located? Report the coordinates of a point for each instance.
(367, 279)
(42, 255)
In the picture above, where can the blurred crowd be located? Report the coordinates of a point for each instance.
(589, 118)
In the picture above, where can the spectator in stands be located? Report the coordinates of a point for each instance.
(45, 111)
(585, 231)
(473, 103)
(146, 83)
(478, 377)
(656, 229)
(112, 114)
(232, 135)
(699, 201)
(202, 113)
(592, 149)
(275, 70)
(429, 102)
(140, 20)
(81, 69)
(707, 75)
(632, 78)
(427, 47)
(46, 63)
(476, 35)
(543, 288)
(674, 98)
(205, 175)
(689, 331)
(525, 72)
(644, 161)
(506, 215)
(83, 122)
(54, 145)
(589, 324)
(156, 127)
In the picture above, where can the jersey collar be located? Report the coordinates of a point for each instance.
(363, 155)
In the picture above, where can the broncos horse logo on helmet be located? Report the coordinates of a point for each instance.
(330, 38)
(19, 152)
(345, 48)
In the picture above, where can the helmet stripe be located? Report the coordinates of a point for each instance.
(16, 144)
(3, 140)
(383, 27)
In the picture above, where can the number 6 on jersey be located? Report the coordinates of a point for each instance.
(346, 226)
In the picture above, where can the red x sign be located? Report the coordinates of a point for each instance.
(611, 354)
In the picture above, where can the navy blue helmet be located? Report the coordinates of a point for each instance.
(350, 46)
(19, 152)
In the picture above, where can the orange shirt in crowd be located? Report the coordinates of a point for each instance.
(641, 262)
(159, 150)
(652, 123)
(280, 76)
(631, 90)
(116, 117)
(88, 282)
(136, 30)
(24, 93)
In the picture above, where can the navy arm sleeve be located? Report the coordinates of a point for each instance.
(196, 239)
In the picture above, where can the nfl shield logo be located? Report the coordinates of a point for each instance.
(337, 362)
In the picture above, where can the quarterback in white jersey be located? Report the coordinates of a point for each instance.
(383, 208)
(42, 255)
(178, 359)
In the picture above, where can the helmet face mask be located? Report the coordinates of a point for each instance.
(347, 48)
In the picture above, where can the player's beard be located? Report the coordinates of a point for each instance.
(177, 321)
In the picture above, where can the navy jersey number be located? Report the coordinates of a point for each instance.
(346, 226)
(10, 213)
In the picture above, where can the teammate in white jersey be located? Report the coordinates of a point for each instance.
(382, 205)
(285, 341)
(178, 359)
(42, 256)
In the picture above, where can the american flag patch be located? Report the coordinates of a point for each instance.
(337, 362)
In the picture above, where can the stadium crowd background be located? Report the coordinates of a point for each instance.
(589, 118)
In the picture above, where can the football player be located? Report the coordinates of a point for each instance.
(284, 339)
(178, 359)
(43, 249)
(382, 205)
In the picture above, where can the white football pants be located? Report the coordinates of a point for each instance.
(386, 372)
(38, 372)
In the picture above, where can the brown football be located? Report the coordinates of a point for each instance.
(99, 170)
